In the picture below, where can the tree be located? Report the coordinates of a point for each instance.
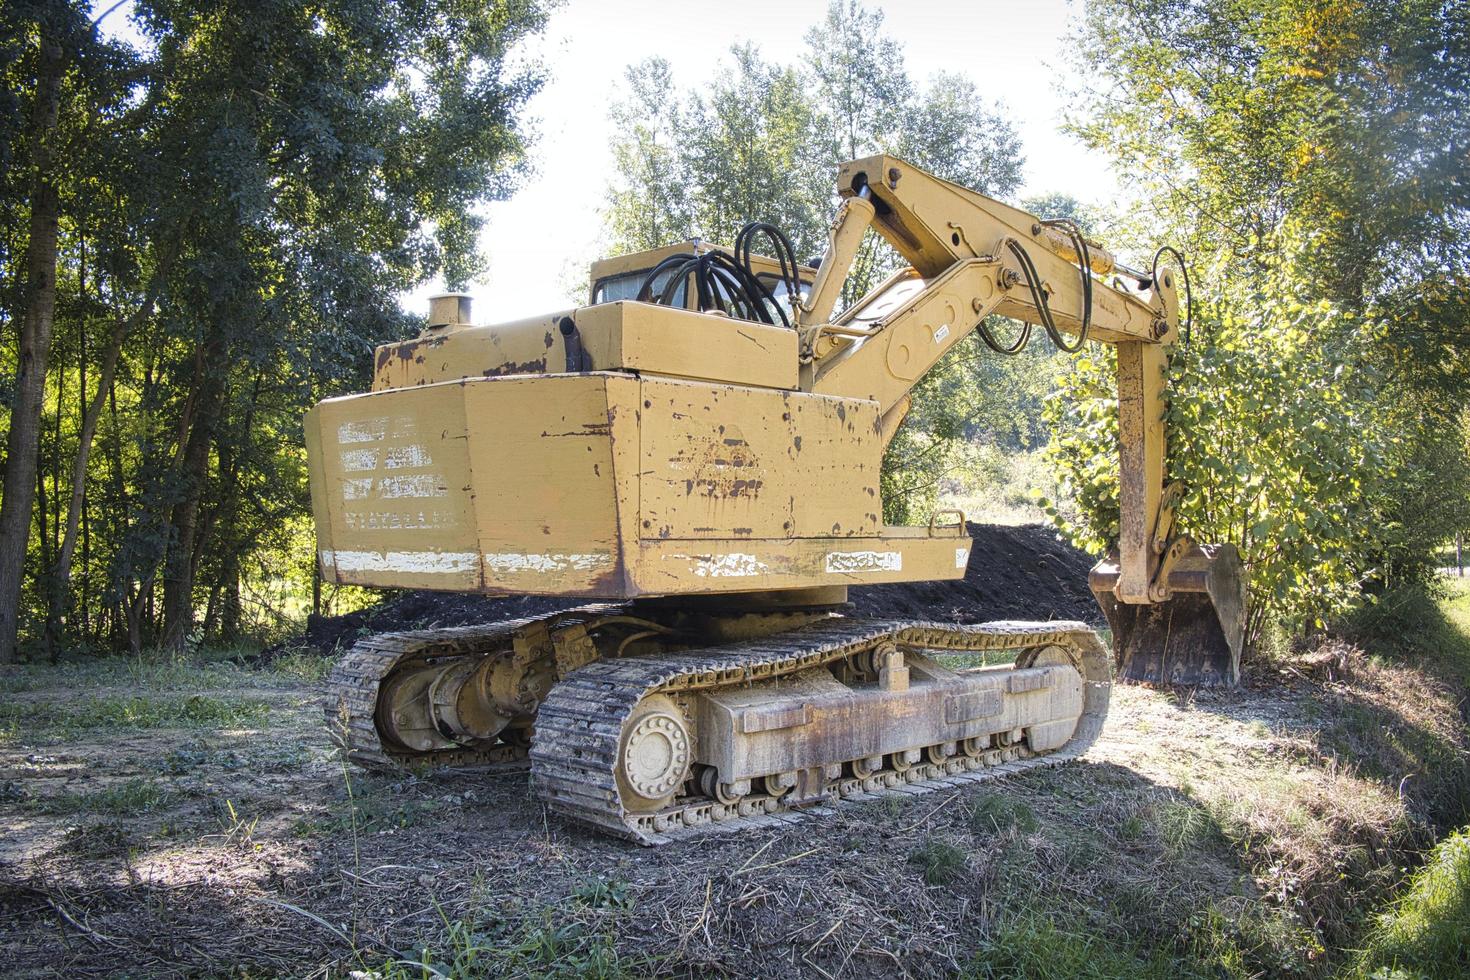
(245, 202)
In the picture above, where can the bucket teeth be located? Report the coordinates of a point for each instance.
(1194, 638)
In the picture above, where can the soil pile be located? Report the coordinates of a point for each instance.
(1023, 572)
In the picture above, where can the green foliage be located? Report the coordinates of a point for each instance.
(1275, 431)
(1427, 932)
(1300, 153)
(246, 192)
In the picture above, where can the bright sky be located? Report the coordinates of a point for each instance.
(540, 242)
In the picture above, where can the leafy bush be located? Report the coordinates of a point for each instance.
(1276, 431)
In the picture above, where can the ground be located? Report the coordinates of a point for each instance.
(191, 818)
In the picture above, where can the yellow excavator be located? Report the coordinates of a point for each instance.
(696, 453)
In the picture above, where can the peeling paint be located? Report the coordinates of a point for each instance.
(864, 561)
(404, 562)
(733, 565)
(514, 563)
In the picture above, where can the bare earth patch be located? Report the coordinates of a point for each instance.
(1243, 833)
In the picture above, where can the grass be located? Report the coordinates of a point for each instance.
(549, 945)
(997, 813)
(137, 712)
(1185, 826)
(367, 812)
(127, 798)
(303, 666)
(1030, 945)
(940, 862)
(1426, 932)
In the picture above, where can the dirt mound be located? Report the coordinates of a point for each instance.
(1023, 572)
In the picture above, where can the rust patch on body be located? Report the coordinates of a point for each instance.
(537, 366)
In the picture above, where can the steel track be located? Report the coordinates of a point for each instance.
(579, 726)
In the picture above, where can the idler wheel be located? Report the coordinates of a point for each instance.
(903, 761)
(405, 714)
(654, 755)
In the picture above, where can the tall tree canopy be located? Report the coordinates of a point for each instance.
(229, 210)
(1310, 158)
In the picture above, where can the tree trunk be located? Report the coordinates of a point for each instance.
(180, 565)
(23, 440)
(61, 573)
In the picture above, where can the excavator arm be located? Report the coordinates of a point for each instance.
(970, 257)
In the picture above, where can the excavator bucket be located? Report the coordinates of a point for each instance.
(1195, 637)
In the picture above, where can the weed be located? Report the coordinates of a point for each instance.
(237, 830)
(194, 711)
(302, 665)
(599, 893)
(940, 862)
(994, 813)
(128, 798)
(547, 946)
(1427, 930)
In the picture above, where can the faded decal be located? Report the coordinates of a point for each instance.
(412, 487)
(404, 457)
(397, 520)
(405, 562)
(511, 563)
(362, 430)
(734, 565)
(941, 333)
(864, 561)
(961, 557)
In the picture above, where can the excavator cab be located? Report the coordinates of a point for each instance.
(621, 277)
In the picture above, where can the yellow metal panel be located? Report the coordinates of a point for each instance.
(530, 346)
(540, 450)
(393, 481)
(662, 340)
(626, 336)
(720, 461)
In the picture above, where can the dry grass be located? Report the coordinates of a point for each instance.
(1242, 834)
